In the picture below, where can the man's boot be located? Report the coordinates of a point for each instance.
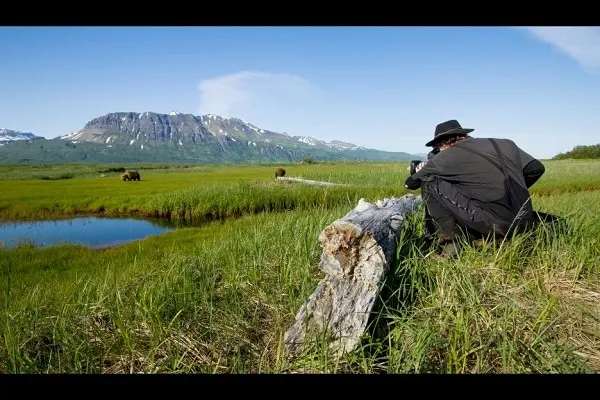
(449, 245)
(450, 249)
(430, 228)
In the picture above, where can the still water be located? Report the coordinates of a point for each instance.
(94, 232)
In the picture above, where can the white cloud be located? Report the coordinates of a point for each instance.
(245, 93)
(581, 43)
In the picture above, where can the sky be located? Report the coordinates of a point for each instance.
(384, 88)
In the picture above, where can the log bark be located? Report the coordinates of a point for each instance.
(358, 250)
(310, 182)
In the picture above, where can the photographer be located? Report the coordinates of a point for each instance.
(475, 186)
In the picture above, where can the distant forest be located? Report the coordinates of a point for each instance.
(580, 152)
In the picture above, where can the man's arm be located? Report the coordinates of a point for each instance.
(533, 171)
(413, 182)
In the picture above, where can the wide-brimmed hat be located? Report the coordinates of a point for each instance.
(447, 129)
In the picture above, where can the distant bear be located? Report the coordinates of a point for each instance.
(279, 172)
(130, 176)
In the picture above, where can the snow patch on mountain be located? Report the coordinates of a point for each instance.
(9, 135)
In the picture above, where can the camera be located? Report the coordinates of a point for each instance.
(413, 166)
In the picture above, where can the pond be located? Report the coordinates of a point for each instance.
(95, 232)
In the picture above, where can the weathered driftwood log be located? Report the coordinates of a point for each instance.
(308, 181)
(358, 250)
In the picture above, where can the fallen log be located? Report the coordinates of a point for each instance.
(310, 182)
(358, 250)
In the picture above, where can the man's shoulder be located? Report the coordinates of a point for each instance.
(471, 143)
(486, 143)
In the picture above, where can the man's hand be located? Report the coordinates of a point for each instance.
(420, 165)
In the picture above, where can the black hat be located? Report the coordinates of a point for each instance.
(448, 129)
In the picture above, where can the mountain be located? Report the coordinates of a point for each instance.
(9, 135)
(176, 138)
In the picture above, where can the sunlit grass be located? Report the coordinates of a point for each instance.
(217, 298)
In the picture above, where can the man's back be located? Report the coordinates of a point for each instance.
(473, 175)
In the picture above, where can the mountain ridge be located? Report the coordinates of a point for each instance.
(182, 137)
(9, 135)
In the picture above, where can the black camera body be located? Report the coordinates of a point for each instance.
(413, 166)
(414, 163)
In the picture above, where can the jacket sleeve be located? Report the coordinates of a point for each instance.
(412, 184)
(532, 172)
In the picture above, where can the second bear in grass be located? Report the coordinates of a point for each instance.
(279, 172)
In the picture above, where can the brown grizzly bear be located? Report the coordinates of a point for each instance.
(279, 172)
(130, 176)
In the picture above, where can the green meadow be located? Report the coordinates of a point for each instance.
(217, 294)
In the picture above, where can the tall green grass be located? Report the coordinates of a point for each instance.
(217, 298)
(195, 193)
(206, 192)
(199, 299)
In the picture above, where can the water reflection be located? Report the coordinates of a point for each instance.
(96, 232)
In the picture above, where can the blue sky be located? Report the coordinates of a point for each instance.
(380, 87)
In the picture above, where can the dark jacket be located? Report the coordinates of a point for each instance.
(473, 175)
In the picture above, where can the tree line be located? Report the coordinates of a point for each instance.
(580, 152)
